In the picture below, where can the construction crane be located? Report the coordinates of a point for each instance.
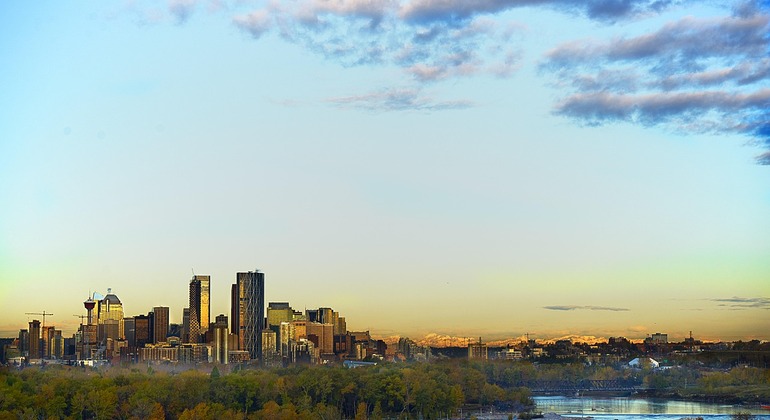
(81, 318)
(43, 314)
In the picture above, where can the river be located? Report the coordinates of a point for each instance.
(621, 408)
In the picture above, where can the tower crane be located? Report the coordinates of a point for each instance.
(43, 314)
(81, 318)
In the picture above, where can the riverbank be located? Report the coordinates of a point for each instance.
(736, 397)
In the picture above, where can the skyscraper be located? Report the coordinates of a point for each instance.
(234, 328)
(142, 330)
(251, 311)
(34, 339)
(160, 324)
(186, 325)
(205, 303)
(200, 306)
(195, 310)
(110, 318)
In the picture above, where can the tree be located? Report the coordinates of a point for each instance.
(362, 412)
(377, 413)
(103, 402)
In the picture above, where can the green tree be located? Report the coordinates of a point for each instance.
(362, 412)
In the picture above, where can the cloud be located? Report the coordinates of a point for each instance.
(255, 23)
(660, 107)
(738, 303)
(430, 40)
(430, 11)
(397, 100)
(704, 75)
(181, 9)
(584, 307)
(356, 33)
(687, 39)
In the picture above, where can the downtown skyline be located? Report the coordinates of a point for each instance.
(461, 168)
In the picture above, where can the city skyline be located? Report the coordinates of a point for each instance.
(462, 168)
(437, 339)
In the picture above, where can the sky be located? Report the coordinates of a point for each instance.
(461, 167)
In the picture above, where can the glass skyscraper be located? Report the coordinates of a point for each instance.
(249, 295)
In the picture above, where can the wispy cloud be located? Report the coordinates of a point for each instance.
(706, 75)
(182, 9)
(429, 39)
(256, 23)
(743, 303)
(374, 33)
(398, 100)
(584, 307)
(694, 74)
(428, 11)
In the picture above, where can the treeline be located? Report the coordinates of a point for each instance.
(423, 390)
(419, 390)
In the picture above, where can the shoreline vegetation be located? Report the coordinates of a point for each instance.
(435, 389)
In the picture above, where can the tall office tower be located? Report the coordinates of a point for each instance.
(56, 344)
(45, 333)
(142, 331)
(23, 343)
(160, 331)
(185, 325)
(205, 303)
(195, 310)
(34, 339)
(151, 330)
(220, 340)
(130, 330)
(251, 311)
(110, 317)
(234, 328)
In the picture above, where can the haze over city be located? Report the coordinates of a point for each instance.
(463, 168)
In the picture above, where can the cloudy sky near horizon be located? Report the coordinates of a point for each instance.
(476, 167)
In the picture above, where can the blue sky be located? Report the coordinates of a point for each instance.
(457, 167)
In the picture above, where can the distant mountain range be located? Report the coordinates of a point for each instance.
(441, 340)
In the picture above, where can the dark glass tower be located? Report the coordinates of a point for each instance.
(195, 310)
(251, 311)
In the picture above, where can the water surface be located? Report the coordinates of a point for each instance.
(623, 408)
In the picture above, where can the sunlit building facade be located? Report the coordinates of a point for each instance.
(160, 324)
(110, 318)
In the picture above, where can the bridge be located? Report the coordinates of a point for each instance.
(585, 385)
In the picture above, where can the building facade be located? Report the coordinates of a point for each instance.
(251, 311)
(204, 312)
(195, 310)
(160, 324)
(34, 339)
(110, 318)
(220, 340)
